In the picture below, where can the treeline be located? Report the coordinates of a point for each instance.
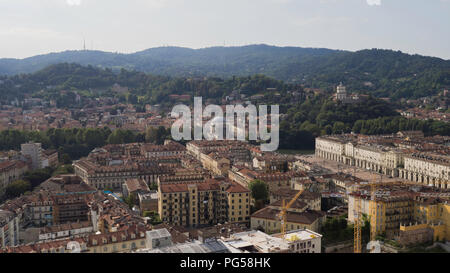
(75, 143)
(390, 125)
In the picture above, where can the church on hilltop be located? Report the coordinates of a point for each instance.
(342, 95)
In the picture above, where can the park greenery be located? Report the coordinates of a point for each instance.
(17, 188)
(260, 193)
(130, 201)
(155, 219)
(64, 169)
(337, 230)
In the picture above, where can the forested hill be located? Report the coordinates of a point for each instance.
(176, 61)
(383, 73)
(95, 82)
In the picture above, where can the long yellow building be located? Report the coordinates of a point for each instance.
(407, 216)
(196, 203)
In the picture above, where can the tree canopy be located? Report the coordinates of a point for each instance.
(17, 188)
(259, 190)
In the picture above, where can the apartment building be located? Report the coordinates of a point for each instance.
(298, 216)
(105, 177)
(59, 246)
(70, 208)
(34, 151)
(38, 209)
(10, 171)
(124, 241)
(271, 163)
(57, 232)
(237, 151)
(9, 229)
(347, 150)
(433, 212)
(386, 213)
(148, 201)
(405, 214)
(302, 241)
(170, 148)
(50, 158)
(428, 169)
(275, 181)
(331, 148)
(215, 163)
(390, 155)
(238, 203)
(208, 202)
(113, 177)
(109, 214)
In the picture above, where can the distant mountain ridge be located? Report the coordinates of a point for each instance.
(167, 60)
(383, 73)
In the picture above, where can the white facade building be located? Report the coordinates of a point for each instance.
(303, 241)
(34, 151)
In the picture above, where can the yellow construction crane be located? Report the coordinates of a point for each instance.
(373, 210)
(282, 215)
(357, 227)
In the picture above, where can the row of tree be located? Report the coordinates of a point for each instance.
(75, 143)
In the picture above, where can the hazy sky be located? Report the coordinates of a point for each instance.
(30, 27)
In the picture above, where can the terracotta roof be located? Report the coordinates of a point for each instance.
(183, 186)
(64, 227)
(236, 188)
(5, 165)
(289, 193)
(298, 204)
(136, 184)
(307, 217)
